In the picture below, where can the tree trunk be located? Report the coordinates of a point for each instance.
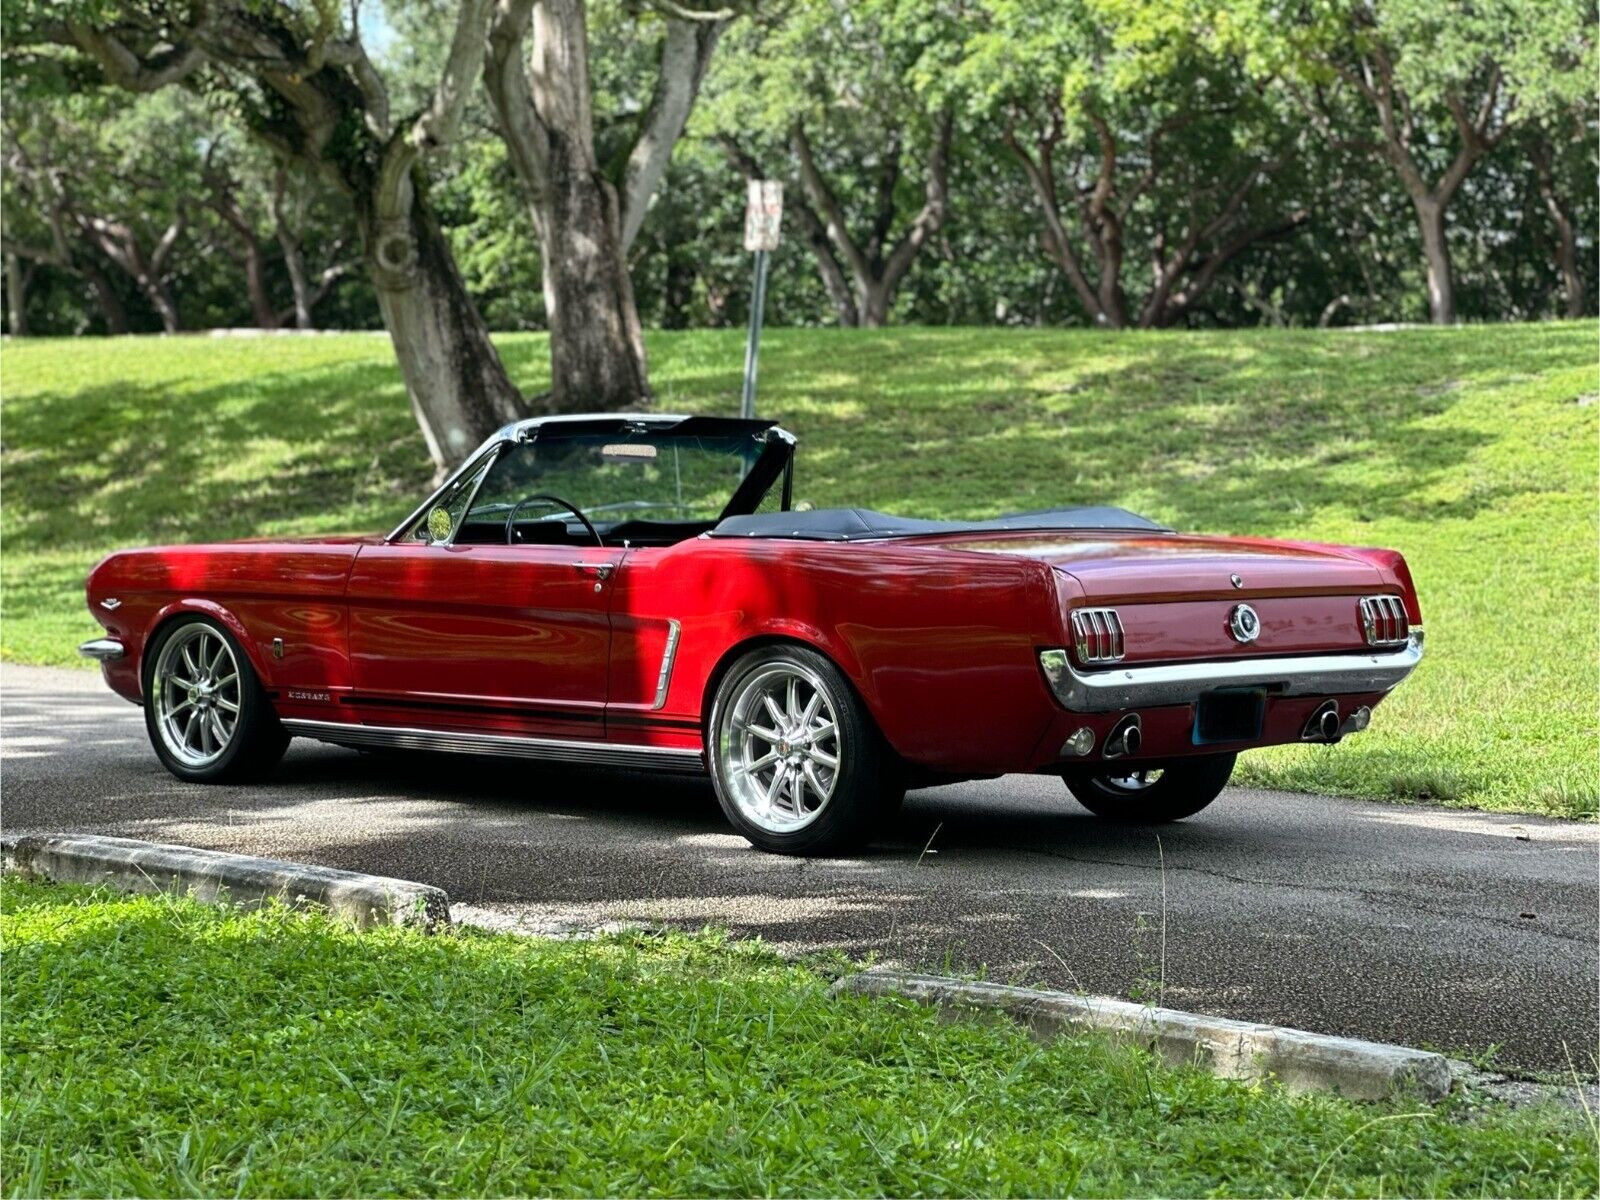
(597, 361)
(1436, 251)
(872, 305)
(1566, 254)
(255, 282)
(160, 296)
(459, 390)
(17, 295)
(294, 262)
(1567, 263)
(112, 310)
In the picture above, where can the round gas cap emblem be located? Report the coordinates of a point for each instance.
(1244, 623)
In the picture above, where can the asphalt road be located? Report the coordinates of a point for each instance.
(1458, 931)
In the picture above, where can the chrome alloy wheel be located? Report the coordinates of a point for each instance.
(1130, 781)
(780, 748)
(195, 692)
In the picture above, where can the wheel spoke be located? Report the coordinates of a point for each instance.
(188, 661)
(773, 710)
(218, 730)
(228, 680)
(825, 730)
(767, 759)
(791, 699)
(770, 736)
(816, 785)
(822, 758)
(227, 705)
(778, 776)
(809, 714)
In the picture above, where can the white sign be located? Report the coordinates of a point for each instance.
(763, 214)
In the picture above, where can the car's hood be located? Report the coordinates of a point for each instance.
(1131, 566)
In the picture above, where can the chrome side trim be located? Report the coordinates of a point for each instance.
(1182, 683)
(645, 758)
(103, 649)
(674, 628)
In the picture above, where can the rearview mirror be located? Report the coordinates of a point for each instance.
(628, 452)
(439, 525)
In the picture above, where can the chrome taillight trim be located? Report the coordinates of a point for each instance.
(1097, 635)
(1384, 621)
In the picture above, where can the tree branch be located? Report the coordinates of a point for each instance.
(685, 57)
(827, 205)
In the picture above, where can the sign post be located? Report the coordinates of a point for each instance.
(763, 215)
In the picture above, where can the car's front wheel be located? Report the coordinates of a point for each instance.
(798, 765)
(207, 715)
(1153, 796)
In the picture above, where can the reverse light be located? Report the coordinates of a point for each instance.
(1079, 744)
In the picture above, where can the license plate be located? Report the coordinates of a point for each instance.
(1229, 715)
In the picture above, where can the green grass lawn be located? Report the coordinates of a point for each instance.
(158, 1047)
(1472, 450)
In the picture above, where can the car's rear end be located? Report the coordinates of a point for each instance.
(1172, 647)
(1175, 647)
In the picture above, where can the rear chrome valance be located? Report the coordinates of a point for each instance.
(1183, 683)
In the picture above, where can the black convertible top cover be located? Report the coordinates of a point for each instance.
(860, 524)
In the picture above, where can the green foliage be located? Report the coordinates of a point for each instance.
(1237, 82)
(159, 1047)
(1467, 449)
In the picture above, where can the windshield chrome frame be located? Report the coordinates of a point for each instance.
(528, 430)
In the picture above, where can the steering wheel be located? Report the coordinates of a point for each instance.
(511, 517)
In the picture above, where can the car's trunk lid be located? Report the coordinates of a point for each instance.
(1174, 594)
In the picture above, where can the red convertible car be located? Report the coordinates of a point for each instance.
(637, 591)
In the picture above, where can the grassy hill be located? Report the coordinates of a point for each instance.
(1472, 450)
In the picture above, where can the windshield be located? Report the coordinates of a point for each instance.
(617, 476)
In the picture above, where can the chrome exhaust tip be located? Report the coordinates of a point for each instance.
(1324, 725)
(1125, 737)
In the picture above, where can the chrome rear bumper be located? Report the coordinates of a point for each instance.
(102, 649)
(1182, 683)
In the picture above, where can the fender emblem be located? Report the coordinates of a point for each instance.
(111, 604)
(293, 695)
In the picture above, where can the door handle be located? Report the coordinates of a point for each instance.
(598, 570)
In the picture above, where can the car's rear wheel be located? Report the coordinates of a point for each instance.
(1151, 796)
(204, 708)
(798, 765)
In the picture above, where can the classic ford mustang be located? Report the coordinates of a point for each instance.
(638, 591)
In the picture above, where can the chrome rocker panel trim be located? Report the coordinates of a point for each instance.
(103, 649)
(641, 758)
(1183, 683)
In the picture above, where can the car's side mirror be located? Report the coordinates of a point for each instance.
(439, 525)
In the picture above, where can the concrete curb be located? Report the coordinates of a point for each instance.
(366, 901)
(1299, 1060)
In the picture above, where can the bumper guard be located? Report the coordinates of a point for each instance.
(1182, 683)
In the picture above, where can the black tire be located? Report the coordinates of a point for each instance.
(258, 740)
(867, 787)
(1184, 788)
